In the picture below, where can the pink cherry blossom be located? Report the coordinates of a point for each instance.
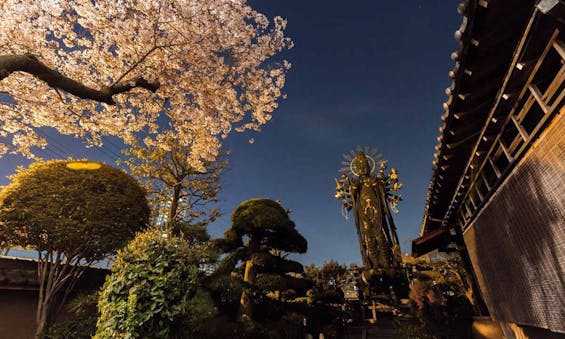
(205, 65)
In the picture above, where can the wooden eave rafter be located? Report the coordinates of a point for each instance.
(487, 68)
(430, 241)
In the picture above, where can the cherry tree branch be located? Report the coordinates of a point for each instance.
(135, 65)
(30, 64)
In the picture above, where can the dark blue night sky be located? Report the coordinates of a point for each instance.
(364, 73)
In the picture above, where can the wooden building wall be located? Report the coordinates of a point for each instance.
(517, 241)
(19, 295)
(17, 314)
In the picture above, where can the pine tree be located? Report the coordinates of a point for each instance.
(261, 236)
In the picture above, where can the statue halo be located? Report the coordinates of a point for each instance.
(353, 166)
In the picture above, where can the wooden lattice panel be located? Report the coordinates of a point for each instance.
(517, 242)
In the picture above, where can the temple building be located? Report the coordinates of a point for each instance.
(497, 192)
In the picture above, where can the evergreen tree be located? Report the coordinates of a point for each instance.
(261, 236)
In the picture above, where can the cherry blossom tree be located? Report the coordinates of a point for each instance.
(90, 68)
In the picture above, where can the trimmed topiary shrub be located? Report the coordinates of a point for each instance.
(72, 213)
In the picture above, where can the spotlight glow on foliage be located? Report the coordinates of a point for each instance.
(83, 166)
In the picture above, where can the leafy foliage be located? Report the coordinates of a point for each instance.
(82, 325)
(149, 293)
(201, 308)
(438, 296)
(226, 292)
(326, 297)
(329, 276)
(49, 207)
(71, 218)
(177, 191)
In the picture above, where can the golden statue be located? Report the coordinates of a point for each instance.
(368, 192)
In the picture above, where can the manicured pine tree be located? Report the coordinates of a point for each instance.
(261, 232)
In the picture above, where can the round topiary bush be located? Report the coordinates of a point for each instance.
(65, 206)
(72, 213)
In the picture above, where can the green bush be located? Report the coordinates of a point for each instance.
(440, 305)
(201, 308)
(149, 291)
(226, 293)
(82, 324)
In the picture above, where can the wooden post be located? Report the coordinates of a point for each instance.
(373, 309)
(480, 305)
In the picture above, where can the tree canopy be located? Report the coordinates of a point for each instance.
(177, 191)
(50, 207)
(71, 218)
(329, 276)
(326, 297)
(105, 67)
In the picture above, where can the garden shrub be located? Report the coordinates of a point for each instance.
(149, 291)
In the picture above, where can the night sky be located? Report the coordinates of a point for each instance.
(363, 73)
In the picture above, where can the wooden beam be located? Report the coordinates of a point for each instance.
(485, 181)
(537, 95)
(559, 47)
(520, 129)
(494, 168)
(505, 151)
